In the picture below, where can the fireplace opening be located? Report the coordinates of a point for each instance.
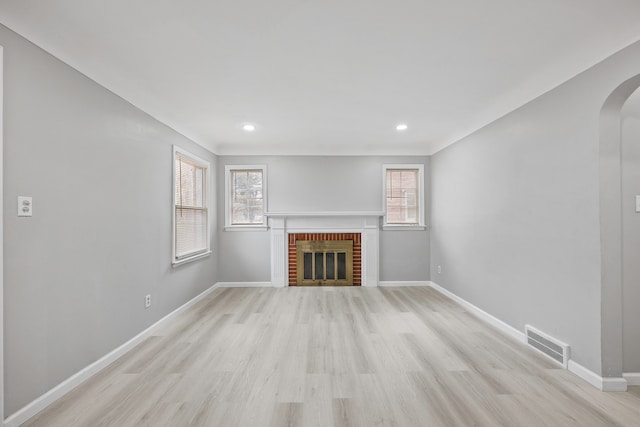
(324, 262)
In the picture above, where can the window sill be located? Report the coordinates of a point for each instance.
(398, 227)
(190, 259)
(246, 228)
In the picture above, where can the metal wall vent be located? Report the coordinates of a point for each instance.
(549, 346)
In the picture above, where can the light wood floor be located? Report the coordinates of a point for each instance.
(335, 357)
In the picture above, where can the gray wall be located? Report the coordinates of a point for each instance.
(631, 233)
(515, 211)
(76, 273)
(307, 184)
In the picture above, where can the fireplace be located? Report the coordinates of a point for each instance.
(361, 227)
(325, 259)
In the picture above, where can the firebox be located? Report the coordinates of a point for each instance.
(324, 262)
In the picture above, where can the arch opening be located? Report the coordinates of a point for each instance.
(611, 228)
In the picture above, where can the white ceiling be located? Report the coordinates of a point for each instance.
(327, 76)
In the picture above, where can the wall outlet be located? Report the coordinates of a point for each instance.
(439, 269)
(147, 301)
(25, 206)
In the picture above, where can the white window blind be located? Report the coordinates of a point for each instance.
(402, 201)
(191, 213)
(247, 197)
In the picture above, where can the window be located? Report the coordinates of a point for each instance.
(404, 196)
(190, 213)
(246, 196)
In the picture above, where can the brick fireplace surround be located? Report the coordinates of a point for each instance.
(357, 252)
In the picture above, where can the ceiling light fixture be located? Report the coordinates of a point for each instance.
(402, 126)
(249, 127)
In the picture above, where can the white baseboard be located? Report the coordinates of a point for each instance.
(245, 285)
(31, 409)
(614, 384)
(633, 378)
(495, 322)
(407, 283)
(603, 384)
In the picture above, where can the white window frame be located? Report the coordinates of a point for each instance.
(207, 198)
(228, 194)
(421, 225)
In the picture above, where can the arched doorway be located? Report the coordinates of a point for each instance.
(1, 239)
(630, 168)
(611, 228)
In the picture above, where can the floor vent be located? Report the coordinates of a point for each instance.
(547, 345)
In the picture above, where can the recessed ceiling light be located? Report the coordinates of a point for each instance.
(249, 127)
(402, 126)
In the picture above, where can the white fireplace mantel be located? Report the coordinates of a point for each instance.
(323, 214)
(367, 223)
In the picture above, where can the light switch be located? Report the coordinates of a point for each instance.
(25, 206)
(637, 203)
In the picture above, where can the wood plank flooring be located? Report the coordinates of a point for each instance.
(335, 356)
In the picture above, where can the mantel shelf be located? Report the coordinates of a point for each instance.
(325, 214)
